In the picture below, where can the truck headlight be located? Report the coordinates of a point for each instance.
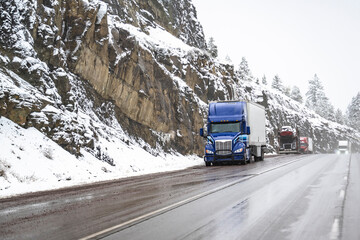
(209, 151)
(239, 150)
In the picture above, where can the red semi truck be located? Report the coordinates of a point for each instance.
(306, 145)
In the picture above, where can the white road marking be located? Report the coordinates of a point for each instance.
(335, 229)
(144, 217)
(342, 194)
(164, 209)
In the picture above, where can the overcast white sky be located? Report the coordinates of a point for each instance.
(294, 39)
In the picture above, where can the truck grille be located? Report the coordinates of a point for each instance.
(223, 147)
(287, 146)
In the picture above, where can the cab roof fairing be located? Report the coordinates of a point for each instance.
(227, 112)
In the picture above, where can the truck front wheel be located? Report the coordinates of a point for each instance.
(245, 160)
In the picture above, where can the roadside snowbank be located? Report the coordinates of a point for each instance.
(31, 162)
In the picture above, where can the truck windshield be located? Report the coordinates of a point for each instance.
(224, 127)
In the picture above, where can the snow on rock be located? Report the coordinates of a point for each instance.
(31, 162)
(101, 12)
(156, 38)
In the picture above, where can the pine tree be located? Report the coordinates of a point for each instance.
(212, 48)
(287, 91)
(228, 59)
(353, 112)
(264, 80)
(329, 111)
(257, 81)
(317, 100)
(339, 117)
(277, 83)
(296, 94)
(244, 70)
(313, 94)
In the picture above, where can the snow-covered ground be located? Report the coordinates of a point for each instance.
(31, 162)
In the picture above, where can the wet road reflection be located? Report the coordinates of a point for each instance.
(283, 197)
(301, 200)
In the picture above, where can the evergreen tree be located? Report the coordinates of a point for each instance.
(212, 48)
(296, 94)
(257, 81)
(353, 112)
(329, 111)
(287, 91)
(228, 59)
(339, 117)
(315, 95)
(312, 95)
(244, 70)
(277, 83)
(264, 80)
(317, 100)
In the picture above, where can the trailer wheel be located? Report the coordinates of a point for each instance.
(261, 158)
(262, 155)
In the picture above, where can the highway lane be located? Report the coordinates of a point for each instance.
(75, 212)
(250, 194)
(307, 199)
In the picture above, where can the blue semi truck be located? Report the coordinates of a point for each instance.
(235, 131)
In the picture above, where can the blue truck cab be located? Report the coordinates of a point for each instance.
(227, 134)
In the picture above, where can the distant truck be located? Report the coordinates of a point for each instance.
(344, 147)
(235, 131)
(306, 145)
(289, 140)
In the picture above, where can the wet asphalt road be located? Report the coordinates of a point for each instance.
(285, 197)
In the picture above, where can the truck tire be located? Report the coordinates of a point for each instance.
(249, 161)
(261, 158)
(244, 161)
(262, 155)
(208, 164)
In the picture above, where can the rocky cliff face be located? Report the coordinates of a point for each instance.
(81, 70)
(59, 46)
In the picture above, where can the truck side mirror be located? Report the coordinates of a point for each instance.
(203, 132)
(248, 130)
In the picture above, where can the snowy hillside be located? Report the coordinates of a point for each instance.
(93, 90)
(31, 161)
